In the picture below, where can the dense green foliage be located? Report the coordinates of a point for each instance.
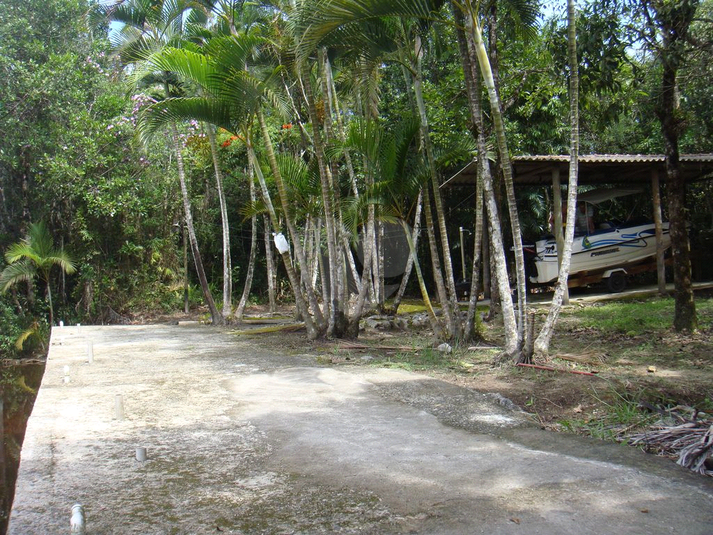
(69, 155)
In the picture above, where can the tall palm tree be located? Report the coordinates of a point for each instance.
(234, 91)
(395, 185)
(149, 26)
(356, 27)
(35, 256)
(542, 343)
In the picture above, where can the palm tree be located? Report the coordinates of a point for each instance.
(367, 31)
(149, 26)
(234, 91)
(542, 343)
(35, 256)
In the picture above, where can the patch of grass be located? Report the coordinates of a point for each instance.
(638, 317)
(632, 318)
(622, 415)
(411, 306)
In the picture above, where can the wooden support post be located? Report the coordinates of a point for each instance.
(559, 236)
(660, 267)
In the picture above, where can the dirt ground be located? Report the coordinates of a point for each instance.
(637, 377)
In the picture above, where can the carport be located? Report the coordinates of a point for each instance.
(600, 170)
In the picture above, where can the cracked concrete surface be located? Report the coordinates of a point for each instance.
(241, 440)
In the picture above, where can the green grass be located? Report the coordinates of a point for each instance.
(411, 306)
(622, 415)
(639, 317)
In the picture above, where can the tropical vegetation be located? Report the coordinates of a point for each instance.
(168, 147)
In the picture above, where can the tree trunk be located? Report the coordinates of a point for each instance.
(672, 126)
(496, 113)
(542, 344)
(215, 315)
(227, 264)
(416, 233)
(436, 264)
(270, 264)
(49, 299)
(450, 305)
(512, 339)
(473, 91)
(253, 253)
(337, 317)
(311, 297)
(435, 324)
(353, 328)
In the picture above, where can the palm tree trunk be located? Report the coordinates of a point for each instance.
(270, 266)
(216, 317)
(253, 254)
(512, 341)
(450, 305)
(473, 91)
(469, 327)
(366, 275)
(482, 58)
(542, 343)
(435, 324)
(49, 299)
(299, 252)
(337, 318)
(227, 264)
(416, 233)
(436, 263)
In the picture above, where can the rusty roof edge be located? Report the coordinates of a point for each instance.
(617, 158)
(592, 159)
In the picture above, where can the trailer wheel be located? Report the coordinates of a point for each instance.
(616, 282)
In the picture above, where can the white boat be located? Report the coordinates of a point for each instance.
(607, 253)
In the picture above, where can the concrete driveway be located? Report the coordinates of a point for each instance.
(240, 440)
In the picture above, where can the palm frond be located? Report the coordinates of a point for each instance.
(61, 259)
(164, 112)
(21, 271)
(317, 21)
(253, 208)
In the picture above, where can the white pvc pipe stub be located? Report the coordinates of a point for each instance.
(119, 407)
(77, 523)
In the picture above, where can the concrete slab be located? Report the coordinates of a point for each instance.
(241, 440)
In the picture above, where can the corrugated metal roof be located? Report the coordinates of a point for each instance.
(596, 169)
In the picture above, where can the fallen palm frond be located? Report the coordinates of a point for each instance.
(691, 443)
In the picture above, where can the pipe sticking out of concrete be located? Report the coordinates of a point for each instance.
(119, 407)
(77, 523)
(141, 454)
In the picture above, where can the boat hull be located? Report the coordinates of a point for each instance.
(599, 252)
